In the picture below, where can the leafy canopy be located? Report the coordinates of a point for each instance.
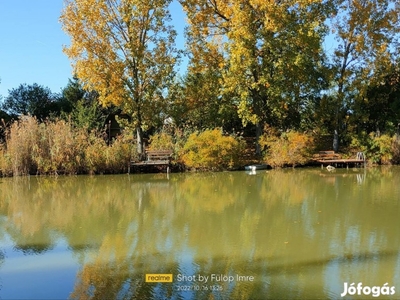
(123, 49)
(270, 51)
(33, 99)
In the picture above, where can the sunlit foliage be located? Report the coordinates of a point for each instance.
(287, 148)
(123, 49)
(212, 150)
(270, 52)
(161, 141)
(57, 147)
(382, 149)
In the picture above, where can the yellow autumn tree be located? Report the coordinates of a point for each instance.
(123, 49)
(365, 33)
(270, 52)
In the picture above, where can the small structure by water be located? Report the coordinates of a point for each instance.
(330, 158)
(155, 158)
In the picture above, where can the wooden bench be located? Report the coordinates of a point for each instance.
(326, 156)
(154, 158)
(159, 156)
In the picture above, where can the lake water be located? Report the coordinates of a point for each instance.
(290, 234)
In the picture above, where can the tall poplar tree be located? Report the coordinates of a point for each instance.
(124, 50)
(270, 52)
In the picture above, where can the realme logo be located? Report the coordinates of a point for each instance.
(159, 277)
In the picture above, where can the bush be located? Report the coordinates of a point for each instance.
(286, 149)
(120, 153)
(161, 141)
(396, 150)
(381, 149)
(212, 151)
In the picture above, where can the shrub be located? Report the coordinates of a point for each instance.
(286, 149)
(396, 150)
(381, 149)
(211, 150)
(100, 158)
(161, 141)
(121, 152)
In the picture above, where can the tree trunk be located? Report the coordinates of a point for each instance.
(335, 141)
(139, 139)
(258, 134)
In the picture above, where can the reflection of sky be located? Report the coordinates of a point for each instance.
(308, 222)
(333, 284)
(186, 257)
(49, 275)
(187, 265)
(396, 277)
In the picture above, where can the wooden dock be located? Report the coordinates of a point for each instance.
(154, 158)
(330, 158)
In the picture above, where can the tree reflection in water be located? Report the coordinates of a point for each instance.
(287, 228)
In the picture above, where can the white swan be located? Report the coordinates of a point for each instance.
(330, 168)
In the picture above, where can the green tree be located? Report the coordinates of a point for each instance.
(270, 52)
(87, 115)
(82, 107)
(125, 51)
(379, 110)
(71, 94)
(196, 102)
(34, 100)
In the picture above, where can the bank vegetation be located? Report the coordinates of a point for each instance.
(56, 147)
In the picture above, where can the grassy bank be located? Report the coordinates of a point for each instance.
(57, 147)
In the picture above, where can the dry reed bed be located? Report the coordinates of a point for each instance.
(57, 147)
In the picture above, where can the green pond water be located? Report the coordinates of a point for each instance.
(276, 234)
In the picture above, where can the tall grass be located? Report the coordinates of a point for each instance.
(57, 147)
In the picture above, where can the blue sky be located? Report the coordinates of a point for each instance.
(31, 41)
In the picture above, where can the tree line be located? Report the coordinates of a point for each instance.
(251, 64)
(73, 103)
